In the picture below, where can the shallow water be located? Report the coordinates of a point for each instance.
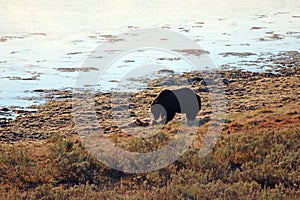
(39, 37)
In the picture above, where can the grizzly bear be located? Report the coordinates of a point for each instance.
(169, 102)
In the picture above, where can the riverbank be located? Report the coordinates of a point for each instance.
(256, 155)
(244, 91)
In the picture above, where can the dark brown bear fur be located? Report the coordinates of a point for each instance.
(169, 102)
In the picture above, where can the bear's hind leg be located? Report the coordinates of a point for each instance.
(191, 118)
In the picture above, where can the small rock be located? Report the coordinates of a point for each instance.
(132, 114)
(202, 90)
(4, 109)
(195, 79)
(226, 81)
(167, 71)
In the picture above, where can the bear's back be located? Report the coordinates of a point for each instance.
(187, 99)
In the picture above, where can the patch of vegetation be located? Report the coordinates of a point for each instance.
(242, 166)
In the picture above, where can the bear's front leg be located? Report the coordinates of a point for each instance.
(170, 116)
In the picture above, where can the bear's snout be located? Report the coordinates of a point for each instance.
(158, 111)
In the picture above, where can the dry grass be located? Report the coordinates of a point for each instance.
(268, 154)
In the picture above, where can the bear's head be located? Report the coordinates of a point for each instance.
(158, 111)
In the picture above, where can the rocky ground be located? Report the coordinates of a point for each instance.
(242, 91)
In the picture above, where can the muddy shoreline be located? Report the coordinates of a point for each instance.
(244, 91)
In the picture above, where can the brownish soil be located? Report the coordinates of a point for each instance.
(260, 100)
